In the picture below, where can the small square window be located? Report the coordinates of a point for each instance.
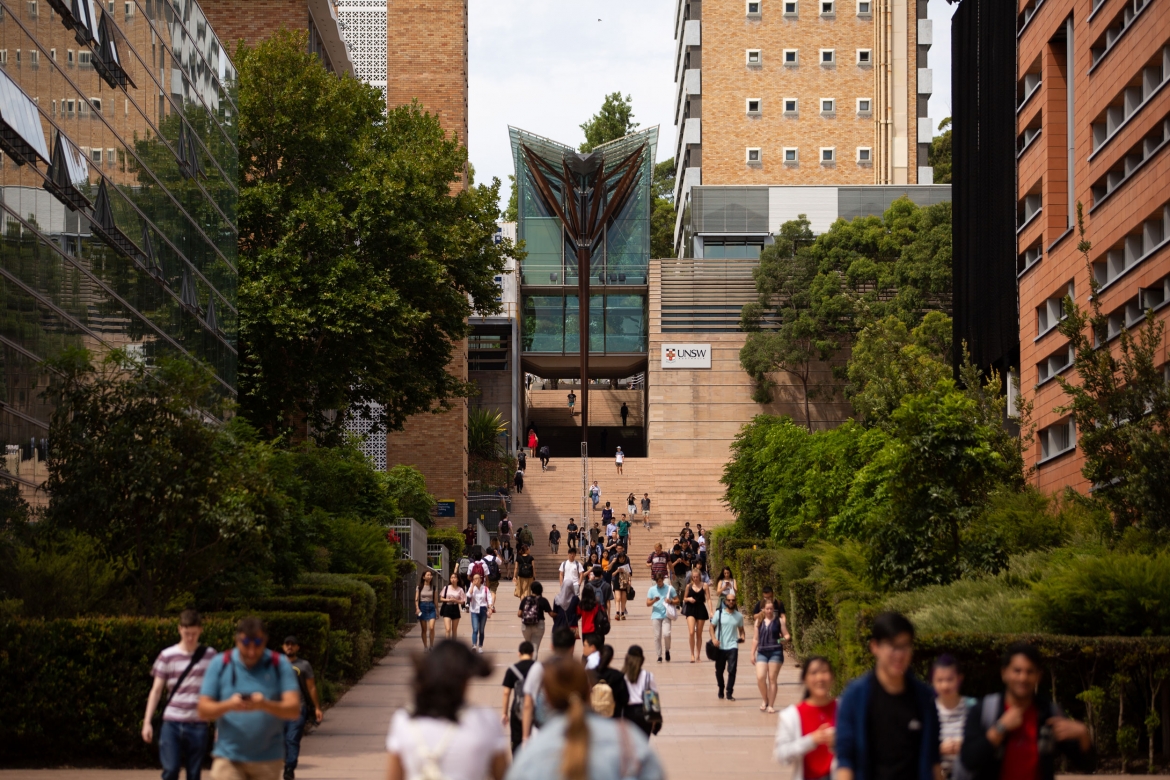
(3, 56)
(753, 105)
(754, 56)
(129, 9)
(790, 57)
(864, 105)
(69, 59)
(828, 154)
(53, 54)
(789, 105)
(790, 7)
(97, 104)
(828, 106)
(864, 154)
(111, 156)
(753, 8)
(791, 154)
(753, 154)
(96, 156)
(864, 56)
(828, 56)
(32, 9)
(864, 8)
(828, 7)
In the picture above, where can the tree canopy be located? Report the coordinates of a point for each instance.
(663, 214)
(362, 251)
(615, 120)
(940, 153)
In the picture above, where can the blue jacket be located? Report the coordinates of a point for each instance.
(852, 736)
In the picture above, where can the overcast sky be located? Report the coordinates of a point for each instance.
(546, 66)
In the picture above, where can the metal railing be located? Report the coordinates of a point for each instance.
(439, 559)
(412, 538)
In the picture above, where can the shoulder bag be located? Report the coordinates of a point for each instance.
(156, 720)
(651, 705)
(712, 648)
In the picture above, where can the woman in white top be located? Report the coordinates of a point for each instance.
(726, 587)
(807, 732)
(638, 681)
(451, 598)
(443, 738)
(480, 602)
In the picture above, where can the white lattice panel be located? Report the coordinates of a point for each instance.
(373, 445)
(363, 26)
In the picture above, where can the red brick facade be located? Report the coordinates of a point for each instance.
(253, 20)
(427, 61)
(1121, 177)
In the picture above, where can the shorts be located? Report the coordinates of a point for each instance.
(426, 610)
(222, 769)
(775, 656)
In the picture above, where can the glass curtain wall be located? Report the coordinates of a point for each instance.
(119, 229)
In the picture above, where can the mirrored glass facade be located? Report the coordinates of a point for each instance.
(121, 230)
(618, 269)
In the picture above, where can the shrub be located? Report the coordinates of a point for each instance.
(384, 591)
(350, 654)
(778, 568)
(365, 601)
(339, 608)
(450, 538)
(988, 605)
(1111, 594)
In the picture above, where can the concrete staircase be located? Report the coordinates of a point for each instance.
(681, 490)
(550, 408)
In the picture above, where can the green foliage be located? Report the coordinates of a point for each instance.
(361, 594)
(748, 493)
(890, 361)
(407, 487)
(940, 153)
(986, 605)
(486, 433)
(662, 217)
(1119, 594)
(386, 618)
(59, 575)
(361, 253)
(450, 538)
(1120, 402)
(512, 211)
(778, 568)
(615, 120)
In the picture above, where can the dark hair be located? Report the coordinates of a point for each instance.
(768, 589)
(945, 661)
(593, 640)
(536, 588)
(251, 627)
(633, 665)
(563, 639)
(804, 667)
(606, 657)
(526, 648)
(189, 618)
(1021, 648)
(588, 598)
(730, 573)
(476, 553)
(597, 571)
(440, 679)
(422, 577)
(889, 625)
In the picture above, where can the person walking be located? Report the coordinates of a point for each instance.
(623, 532)
(662, 599)
(250, 692)
(621, 573)
(695, 599)
(524, 536)
(727, 633)
(638, 682)
(572, 402)
(658, 562)
(619, 460)
(594, 494)
(451, 601)
(952, 706)
(607, 518)
(605, 673)
(571, 570)
(1027, 733)
(777, 607)
(646, 511)
(595, 534)
(480, 603)
(807, 731)
(554, 540)
(726, 586)
(507, 561)
(442, 737)
(572, 534)
(518, 480)
(537, 713)
(491, 560)
(504, 530)
(587, 609)
(532, 441)
(768, 652)
(565, 608)
(575, 744)
(631, 506)
(424, 607)
(179, 671)
(625, 412)
(545, 457)
(533, 607)
(525, 572)
(591, 645)
(887, 724)
(522, 459)
(294, 730)
(680, 568)
(513, 708)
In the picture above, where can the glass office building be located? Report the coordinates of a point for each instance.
(618, 269)
(118, 193)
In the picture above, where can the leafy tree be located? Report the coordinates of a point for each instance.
(407, 487)
(890, 362)
(361, 252)
(1121, 406)
(662, 217)
(512, 212)
(615, 120)
(748, 491)
(940, 153)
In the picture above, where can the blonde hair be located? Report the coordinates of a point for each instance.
(567, 688)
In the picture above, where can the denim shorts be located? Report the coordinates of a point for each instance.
(426, 610)
(774, 656)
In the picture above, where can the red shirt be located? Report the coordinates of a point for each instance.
(819, 761)
(587, 617)
(1021, 754)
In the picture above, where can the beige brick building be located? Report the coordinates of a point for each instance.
(252, 21)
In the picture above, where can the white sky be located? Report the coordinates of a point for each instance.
(546, 66)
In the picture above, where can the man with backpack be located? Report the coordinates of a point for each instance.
(1018, 733)
(525, 571)
(491, 560)
(513, 711)
(462, 569)
(250, 692)
(533, 608)
(524, 536)
(179, 670)
(545, 456)
(294, 730)
(504, 531)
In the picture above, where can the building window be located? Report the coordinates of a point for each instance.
(85, 59)
(69, 61)
(791, 155)
(1055, 364)
(828, 155)
(754, 57)
(97, 104)
(864, 106)
(1031, 256)
(790, 7)
(3, 56)
(828, 57)
(864, 155)
(754, 155)
(790, 57)
(753, 105)
(18, 58)
(864, 57)
(53, 54)
(111, 158)
(1050, 313)
(1058, 439)
(129, 10)
(753, 8)
(83, 111)
(68, 106)
(34, 59)
(32, 9)
(96, 156)
(828, 106)
(864, 8)
(789, 105)
(828, 7)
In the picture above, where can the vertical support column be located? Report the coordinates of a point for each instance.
(1070, 76)
(583, 271)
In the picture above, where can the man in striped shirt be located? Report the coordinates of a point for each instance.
(183, 738)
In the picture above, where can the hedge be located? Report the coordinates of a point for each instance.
(755, 569)
(75, 690)
(384, 621)
(342, 615)
(451, 538)
(365, 601)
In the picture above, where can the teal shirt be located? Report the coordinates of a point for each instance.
(249, 736)
(728, 625)
(658, 611)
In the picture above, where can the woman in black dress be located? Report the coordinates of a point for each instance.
(695, 597)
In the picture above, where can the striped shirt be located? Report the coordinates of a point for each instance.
(951, 724)
(169, 666)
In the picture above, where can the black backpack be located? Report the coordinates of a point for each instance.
(493, 565)
(517, 709)
(601, 622)
(524, 566)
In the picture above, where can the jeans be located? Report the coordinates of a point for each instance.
(533, 634)
(181, 745)
(478, 624)
(728, 659)
(661, 635)
(293, 731)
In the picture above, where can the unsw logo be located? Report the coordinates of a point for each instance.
(671, 355)
(695, 354)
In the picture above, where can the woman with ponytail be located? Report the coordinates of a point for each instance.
(577, 744)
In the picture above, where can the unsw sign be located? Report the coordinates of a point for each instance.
(686, 355)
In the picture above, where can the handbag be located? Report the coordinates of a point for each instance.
(156, 720)
(652, 706)
(671, 611)
(712, 648)
(630, 591)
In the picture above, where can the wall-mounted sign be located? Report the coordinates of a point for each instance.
(686, 355)
(445, 509)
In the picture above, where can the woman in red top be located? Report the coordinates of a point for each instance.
(587, 609)
(532, 441)
(807, 731)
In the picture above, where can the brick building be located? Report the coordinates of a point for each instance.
(254, 20)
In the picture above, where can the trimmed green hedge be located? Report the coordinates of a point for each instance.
(364, 600)
(450, 538)
(757, 568)
(342, 615)
(385, 624)
(75, 690)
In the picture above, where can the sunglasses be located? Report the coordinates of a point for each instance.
(252, 641)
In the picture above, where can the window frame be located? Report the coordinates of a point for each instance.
(832, 61)
(867, 61)
(795, 106)
(757, 62)
(756, 13)
(747, 156)
(759, 109)
(832, 158)
(864, 111)
(832, 5)
(795, 61)
(832, 109)
(868, 159)
(795, 155)
(866, 13)
(795, 12)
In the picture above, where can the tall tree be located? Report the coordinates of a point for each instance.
(663, 215)
(615, 120)
(940, 153)
(362, 251)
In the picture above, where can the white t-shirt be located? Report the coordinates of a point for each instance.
(620, 456)
(534, 679)
(572, 570)
(479, 598)
(702, 543)
(465, 748)
(636, 689)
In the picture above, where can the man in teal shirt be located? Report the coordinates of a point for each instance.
(727, 633)
(624, 532)
(657, 598)
(250, 691)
